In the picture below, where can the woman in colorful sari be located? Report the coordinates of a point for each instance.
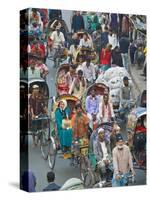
(62, 116)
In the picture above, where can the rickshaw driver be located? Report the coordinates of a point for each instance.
(80, 123)
(126, 94)
(37, 106)
(102, 152)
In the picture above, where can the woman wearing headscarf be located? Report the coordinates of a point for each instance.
(64, 130)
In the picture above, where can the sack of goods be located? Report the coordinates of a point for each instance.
(115, 95)
(115, 72)
(115, 83)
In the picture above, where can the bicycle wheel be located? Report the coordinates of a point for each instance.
(89, 179)
(44, 144)
(52, 153)
(83, 167)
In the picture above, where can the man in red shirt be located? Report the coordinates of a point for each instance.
(105, 57)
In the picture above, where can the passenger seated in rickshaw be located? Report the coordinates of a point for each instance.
(89, 71)
(36, 23)
(43, 68)
(71, 75)
(73, 51)
(78, 85)
(33, 70)
(37, 107)
(63, 124)
(106, 109)
(102, 152)
(37, 49)
(80, 123)
(92, 108)
(86, 41)
(62, 82)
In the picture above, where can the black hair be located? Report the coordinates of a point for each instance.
(78, 105)
(125, 78)
(50, 176)
(80, 72)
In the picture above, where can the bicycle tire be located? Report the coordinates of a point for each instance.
(52, 153)
(44, 145)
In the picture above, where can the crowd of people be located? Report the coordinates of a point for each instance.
(115, 42)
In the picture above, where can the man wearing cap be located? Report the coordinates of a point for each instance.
(102, 152)
(126, 93)
(36, 105)
(122, 162)
(58, 37)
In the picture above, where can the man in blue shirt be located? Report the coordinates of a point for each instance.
(77, 22)
(124, 47)
(92, 107)
(52, 186)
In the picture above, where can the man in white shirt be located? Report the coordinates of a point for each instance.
(106, 109)
(85, 41)
(89, 71)
(58, 38)
(102, 153)
(112, 39)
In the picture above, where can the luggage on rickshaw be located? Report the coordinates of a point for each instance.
(137, 127)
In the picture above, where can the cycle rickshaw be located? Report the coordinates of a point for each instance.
(137, 131)
(79, 148)
(40, 125)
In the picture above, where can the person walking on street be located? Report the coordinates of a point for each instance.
(77, 22)
(124, 46)
(52, 185)
(105, 57)
(122, 163)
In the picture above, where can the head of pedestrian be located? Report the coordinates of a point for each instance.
(119, 141)
(109, 47)
(126, 81)
(77, 13)
(93, 93)
(110, 32)
(101, 134)
(117, 49)
(85, 36)
(88, 61)
(106, 29)
(50, 177)
(80, 74)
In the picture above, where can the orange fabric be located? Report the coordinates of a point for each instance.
(79, 125)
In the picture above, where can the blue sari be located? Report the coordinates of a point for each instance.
(65, 135)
